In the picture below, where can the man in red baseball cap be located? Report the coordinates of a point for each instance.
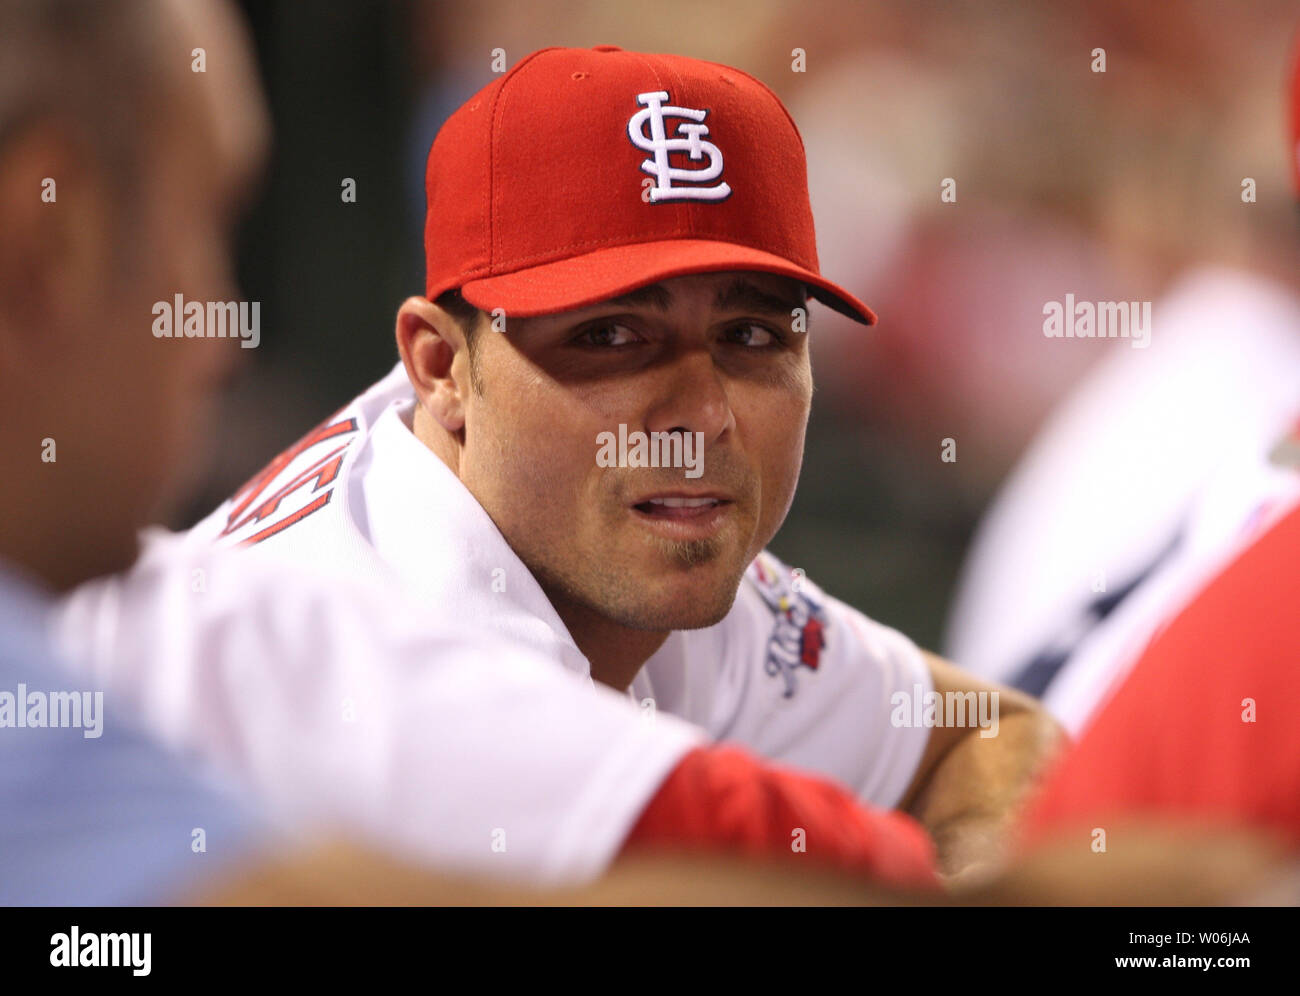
(597, 425)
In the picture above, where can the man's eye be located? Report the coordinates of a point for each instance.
(608, 334)
(753, 335)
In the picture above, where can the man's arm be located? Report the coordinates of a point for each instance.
(972, 778)
(724, 799)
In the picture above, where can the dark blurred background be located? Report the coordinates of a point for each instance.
(1099, 184)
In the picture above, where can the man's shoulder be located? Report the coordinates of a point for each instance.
(801, 678)
(308, 480)
(783, 623)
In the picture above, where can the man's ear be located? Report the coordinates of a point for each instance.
(436, 356)
(54, 214)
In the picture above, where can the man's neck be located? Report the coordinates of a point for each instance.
(38, 537)
(616, 652)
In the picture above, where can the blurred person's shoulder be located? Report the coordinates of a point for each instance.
(1201, 727)
(92, 813)
(1239, 501)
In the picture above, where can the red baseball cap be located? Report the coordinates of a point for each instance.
(582, 174)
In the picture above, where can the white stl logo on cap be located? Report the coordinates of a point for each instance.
(660, 145)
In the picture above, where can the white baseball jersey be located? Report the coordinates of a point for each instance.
(794, 675)
(344, 710)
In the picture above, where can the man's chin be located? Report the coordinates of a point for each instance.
(694, 599)
(665, 618)
(696, 619)
(690, 555)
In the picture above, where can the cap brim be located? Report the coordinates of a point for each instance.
(581, 281)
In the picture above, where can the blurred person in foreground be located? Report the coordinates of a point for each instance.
(93, 423)
(352, 717)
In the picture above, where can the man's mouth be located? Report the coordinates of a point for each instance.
(681, 516)
(679, 506)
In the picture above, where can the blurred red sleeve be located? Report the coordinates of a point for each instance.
(723, 798)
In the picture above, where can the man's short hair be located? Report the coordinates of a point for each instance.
(467, 317)
(465, 314)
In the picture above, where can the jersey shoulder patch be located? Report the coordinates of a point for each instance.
(799, 620)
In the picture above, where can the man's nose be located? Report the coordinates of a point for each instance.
(692, 398)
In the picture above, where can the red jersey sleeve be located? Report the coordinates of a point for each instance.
(722, 797)
(1205, 726)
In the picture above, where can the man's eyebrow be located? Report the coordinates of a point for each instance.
(741, 295)
(738, 295)
(651, 296)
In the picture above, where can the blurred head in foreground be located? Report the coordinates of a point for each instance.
(119, 178)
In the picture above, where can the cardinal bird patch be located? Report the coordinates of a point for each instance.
(799, 625)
